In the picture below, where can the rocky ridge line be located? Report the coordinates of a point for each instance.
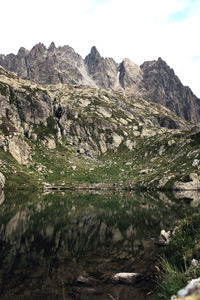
(154, 80)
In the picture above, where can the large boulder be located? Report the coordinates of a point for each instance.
(20, 150)
(128, 278)
(117, 139)
(49, 143)
(190, 292)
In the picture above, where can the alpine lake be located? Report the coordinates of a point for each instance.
(69, 245)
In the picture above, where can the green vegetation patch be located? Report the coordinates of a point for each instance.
(12, 95)
(17, 177)
(7, 126)
(41, 130)
(185, 243)
(183, 247)
(3, 89)
(173, 279)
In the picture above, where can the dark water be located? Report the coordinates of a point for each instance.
(48, 241)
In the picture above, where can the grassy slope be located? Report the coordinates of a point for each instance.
(124, 167)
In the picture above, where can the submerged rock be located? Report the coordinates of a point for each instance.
(2, 181)
(193, 184)
(193, 195)
(2, 197)
(86, 280)
(128, 278)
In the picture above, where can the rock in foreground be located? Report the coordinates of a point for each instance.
(128, 278)
(190, 292)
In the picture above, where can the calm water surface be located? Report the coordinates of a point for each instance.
(48, 241)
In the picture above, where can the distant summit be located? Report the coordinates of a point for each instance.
(153, 80)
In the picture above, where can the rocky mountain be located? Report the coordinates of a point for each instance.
(93, 120)
(48, 66)
(154, 80)
(82, 135)
(102, 70)
(161, 85)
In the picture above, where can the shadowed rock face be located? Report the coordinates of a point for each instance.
(153, 80)
(161, 85)
(103, 71)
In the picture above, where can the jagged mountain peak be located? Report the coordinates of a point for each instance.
(93, 57)
(154, 80)
(67, 49)
(22, 51)
(94, 51)
(129, 65)
(40, 47)
(52, 47)
(127, 60)
(129, 75)
(37, 50)
(160, 60)
(154, 63)
(102, 70)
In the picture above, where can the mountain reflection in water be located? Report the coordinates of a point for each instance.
(48, 241)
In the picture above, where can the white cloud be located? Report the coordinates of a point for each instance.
(138, 29)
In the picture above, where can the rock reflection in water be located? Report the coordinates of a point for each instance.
(47, 245)
(193, 196)
(2, 196)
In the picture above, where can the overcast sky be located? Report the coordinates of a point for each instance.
(138, 29)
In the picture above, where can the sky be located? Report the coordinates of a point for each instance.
(137, 29)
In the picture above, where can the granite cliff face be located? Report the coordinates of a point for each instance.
(130, 76)
(154, 80)
(160, 84)
(102, 70)
(48, 65)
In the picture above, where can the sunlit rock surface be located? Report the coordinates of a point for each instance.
(153, 80)
(2, 181)
(190, 292)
